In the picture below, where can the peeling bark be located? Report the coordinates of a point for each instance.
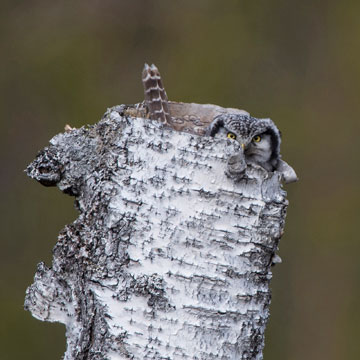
(169, 257)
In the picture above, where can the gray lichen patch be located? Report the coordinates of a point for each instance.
(169, 258)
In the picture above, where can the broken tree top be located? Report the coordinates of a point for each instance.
(170, 257)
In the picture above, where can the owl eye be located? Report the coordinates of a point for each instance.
(257, 138)
(231, 135)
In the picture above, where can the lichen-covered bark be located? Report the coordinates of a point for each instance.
(169, 258)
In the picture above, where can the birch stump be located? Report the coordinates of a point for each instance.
(169, 258)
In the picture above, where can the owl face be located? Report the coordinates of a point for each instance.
(259, 138)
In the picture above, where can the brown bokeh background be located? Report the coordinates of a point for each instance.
(297, 62)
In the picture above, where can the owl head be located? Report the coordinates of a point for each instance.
(259, 138)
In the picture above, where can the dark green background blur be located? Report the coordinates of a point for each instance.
(297, 62)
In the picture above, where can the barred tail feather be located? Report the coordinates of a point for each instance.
(155, 95)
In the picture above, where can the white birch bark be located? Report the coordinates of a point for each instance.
(169, 258)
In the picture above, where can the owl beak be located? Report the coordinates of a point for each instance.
(243, 146)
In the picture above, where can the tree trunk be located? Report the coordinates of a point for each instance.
(169, 258)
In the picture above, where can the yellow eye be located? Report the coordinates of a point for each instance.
(257, 138)
(231, 135)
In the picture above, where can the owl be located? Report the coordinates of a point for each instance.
(259, 138)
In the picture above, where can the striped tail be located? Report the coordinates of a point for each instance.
(155, 95)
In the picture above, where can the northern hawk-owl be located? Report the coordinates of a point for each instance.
(259, 138)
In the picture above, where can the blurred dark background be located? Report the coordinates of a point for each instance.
(297, 62)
